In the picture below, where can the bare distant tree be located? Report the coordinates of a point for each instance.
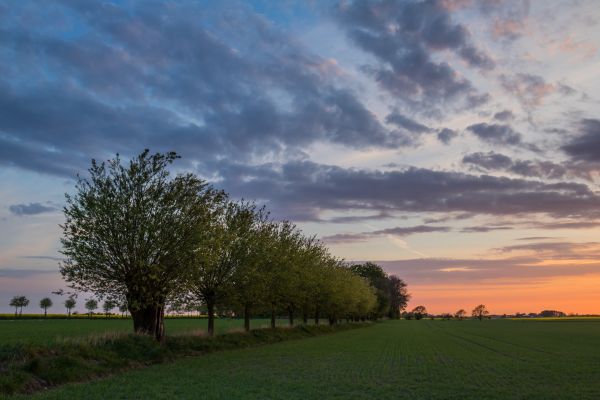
(480, 312)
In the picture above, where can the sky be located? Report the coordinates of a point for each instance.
(455, 142)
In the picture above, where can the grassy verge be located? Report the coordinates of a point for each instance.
(26, 368)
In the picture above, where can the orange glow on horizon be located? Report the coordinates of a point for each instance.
(570, 294)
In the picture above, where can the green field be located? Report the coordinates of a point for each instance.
(41, 331)
(498, 359)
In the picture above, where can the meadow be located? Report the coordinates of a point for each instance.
(47, 331)
(495, 359)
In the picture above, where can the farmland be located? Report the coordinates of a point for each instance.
(495, 359)
(42, 331)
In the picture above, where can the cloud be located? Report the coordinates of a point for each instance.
(558, 250)
(23, 273)
(29, 209)
(530, 89)
(446, 135)
(406, 123)
(492, 161)
(586, 146)
(484, 229)
(397, 231)
(301, 190)
(504, 116)
(402, 36)
(497, 134)
(130, 79)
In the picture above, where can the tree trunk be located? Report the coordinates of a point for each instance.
(210, 306)
(45, 312)
(291, 314)
(317, 316)
(16, 309)
(305, 317)
(273, 316)
(247, 317)
(149, 321)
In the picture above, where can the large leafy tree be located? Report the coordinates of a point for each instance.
(130, 231)
(379, 280)
(224, 243)
(399, 296)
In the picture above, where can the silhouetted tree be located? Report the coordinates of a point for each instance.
(399, 296)
(107, 306)
(45, 303)
(18, 302)
(419, 312)
(70, 304)
(460, 314)
(91, 305)
(479, 312)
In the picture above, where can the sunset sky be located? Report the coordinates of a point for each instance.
(455, 142)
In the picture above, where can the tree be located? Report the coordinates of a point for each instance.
(45, 303)
(379, 280)
(419, 312)
(399, 296)
(130, 234)
(223, 246)
(91, 305)
(70, 304)
(123, 308)
(107, 306)
(479, 312)
(460, 314)
(18, 302)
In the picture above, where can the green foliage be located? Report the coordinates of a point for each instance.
(129, 233)
(135, 236)
(391, 291)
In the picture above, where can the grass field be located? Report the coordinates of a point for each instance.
(43, 331)
(499, 359)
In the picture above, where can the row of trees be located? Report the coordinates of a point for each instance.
(136, 236)
(420, 312)
(19, 302)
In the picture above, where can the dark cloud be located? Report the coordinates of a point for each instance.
(446, 135)
(24, 272)
(302, 189)
(167, 77)
(484, 229)
(406, 123)
(488, 161)
(531, 168)
(500, 271)
(557, 250)
(42, 258)
(29, 209)
(504, 116)
(586, 146)
(496, 134)
(402, 36)
(397, 231)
